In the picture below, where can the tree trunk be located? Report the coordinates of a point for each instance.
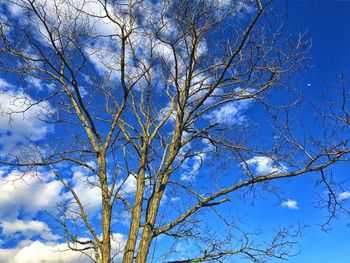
(136, 212)
(136, 217)
(106, 234)
(106, 212)
(147, 234)
(97, 254)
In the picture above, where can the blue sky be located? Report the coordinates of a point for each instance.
(325, 23)
(26, 230)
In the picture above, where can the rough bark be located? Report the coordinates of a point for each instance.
(106, 210)
(136, 215)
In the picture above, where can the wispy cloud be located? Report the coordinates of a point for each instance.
(191, 172)
(4, 84)
(231, 113)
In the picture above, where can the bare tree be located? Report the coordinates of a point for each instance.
(156, 93)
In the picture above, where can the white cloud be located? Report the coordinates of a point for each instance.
(230, 113)
(262, 165)
(4, 84)
(227, 114)
(165, 111)
(92, 8)
(51, 252)
(222, 3)
(7, 254)
(104, 58)
(165, 52)
(33, 193)
(123, 218)
(27, 193)
(174, 199)
(190, 174)
(38, 252)
(34, 82)
(86, 187)
(344, 195)
(129, 186)
(290, 203)
(19, 120)
(103, 53)
(27, 228)
(191, 166)
(15, 10)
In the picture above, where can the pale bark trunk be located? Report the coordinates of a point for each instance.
(106, 234)
(147, 234)
(97, 254)
(106, 212)
(136, 217)
(129, 250)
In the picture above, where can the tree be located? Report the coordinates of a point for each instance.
(148, 99)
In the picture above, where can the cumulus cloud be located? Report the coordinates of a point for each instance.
(129, 186)
(7, 254)
(87, 189)
(27, 193)
(52, 252)
(290, 203)
(263, 165)
(27, 229)
(38, 252)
